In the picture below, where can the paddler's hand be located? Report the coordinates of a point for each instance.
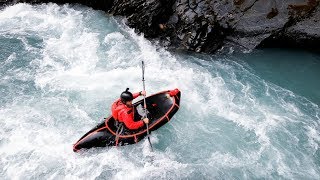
(146, 120)
(143, 93)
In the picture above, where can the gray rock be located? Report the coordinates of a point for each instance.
(309, 28)
(210, 25)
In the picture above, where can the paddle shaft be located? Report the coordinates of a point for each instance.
(145, 104)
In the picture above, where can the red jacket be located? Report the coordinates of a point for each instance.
(124, 114)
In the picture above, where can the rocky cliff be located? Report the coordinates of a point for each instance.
(216, 25)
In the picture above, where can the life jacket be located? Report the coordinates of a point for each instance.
(123, 114)
(116, 108)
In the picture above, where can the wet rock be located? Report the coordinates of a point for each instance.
(309, 28)
(212, 25)
(302, 29)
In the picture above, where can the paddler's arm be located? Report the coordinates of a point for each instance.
(128, 121)
(141, 93)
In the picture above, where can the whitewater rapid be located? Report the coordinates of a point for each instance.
(62, 66)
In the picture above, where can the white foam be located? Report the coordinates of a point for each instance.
(314, 138)
(9, 60)
(114, 38)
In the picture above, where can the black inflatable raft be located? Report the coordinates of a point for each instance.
(161, 107)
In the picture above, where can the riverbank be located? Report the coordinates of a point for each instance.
(216, 26)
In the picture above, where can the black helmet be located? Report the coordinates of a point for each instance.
(126, 96)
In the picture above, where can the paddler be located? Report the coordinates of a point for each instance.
(122, 110)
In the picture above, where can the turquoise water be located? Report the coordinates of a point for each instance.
(294, 70)
(249, 116)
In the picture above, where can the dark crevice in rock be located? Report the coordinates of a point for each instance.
(238, 2)
(274, 12)
(215, 41)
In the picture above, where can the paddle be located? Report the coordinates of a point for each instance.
(145, 105)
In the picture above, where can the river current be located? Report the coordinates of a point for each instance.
(247, 116)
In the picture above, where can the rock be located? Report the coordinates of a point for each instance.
(147, 16)
(212, 25)
(302, 30)
(309, 28)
